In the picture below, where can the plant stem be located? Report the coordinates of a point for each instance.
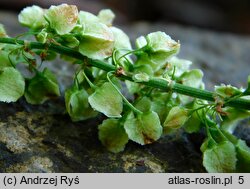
(153, 82)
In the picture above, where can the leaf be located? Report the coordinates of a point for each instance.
(180, 65)
(220, 158)
(144, 60)
(122, 45)
(243, 152)
(243, 156)
(132, 87)
(158, 48)
(87, 17)
(144, 104)
(215, 131)
(12, 84)
(32, 17)
(233, 116)
(143, 129)
(121, 39)
(144, 68)
(161, 47)
(192, 78)
(15, 56)
(4, 60)
(97, 39)
(107, 100)
(140, 42)
(161, 104)
(96, 48)
(62, 18)
(176, 118)
(194, 123)
(70, 41)
(42, 87)
(42, 36)
(77, 104)
(226, 91)
(112, 135)
(106, 16)
(140, 77)
(207, 144)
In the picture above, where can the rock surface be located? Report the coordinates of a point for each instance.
(44, 139)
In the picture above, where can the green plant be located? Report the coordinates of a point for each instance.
(165, 94)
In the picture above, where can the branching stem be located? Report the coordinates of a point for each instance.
(153, 82)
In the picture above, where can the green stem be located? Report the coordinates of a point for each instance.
(88, 81)
(153, 82)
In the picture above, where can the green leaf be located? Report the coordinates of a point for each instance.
(144, 128)
(141, 77)
(215, 131)
(12, 84)
(42, 87)
(112, 135)
(227, 91)
(233, 117)
(144, 104)
(4, 60)
(96, 48)
(132, 87)
(140, 42)
(97, 39)
(144, 60)
(158, 47)
(42, 36)
(161, 104)
(62, 18)
(32, 17)
(192, 78)
(176, 118)
(77, 105)
(207, 144)
(194, 123)
(243, 152)
(220, 158)
(70, 41)
(107, 100)
(106, 16)
(87, 17)
(121, 39)
(122, 45)
(144, 68)
(178, 66)
(243, 156)
(161, 47)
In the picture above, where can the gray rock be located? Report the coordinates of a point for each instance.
(48, 142)
(44, 139)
